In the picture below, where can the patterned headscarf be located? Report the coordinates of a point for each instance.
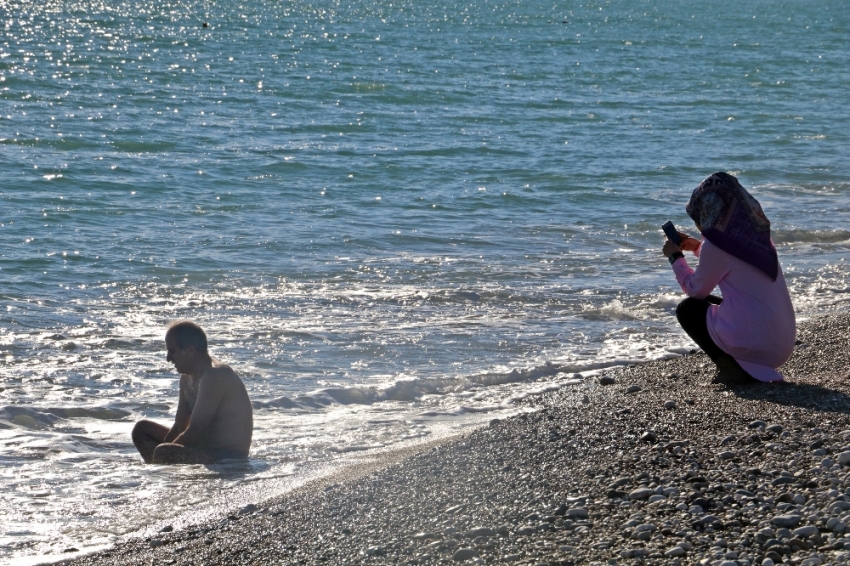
(732, 220)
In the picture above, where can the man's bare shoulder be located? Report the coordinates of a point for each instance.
(222, 373)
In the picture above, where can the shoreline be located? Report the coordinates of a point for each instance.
(660, 467)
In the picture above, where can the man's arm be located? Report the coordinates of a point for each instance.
(181, 420)
(210, 394)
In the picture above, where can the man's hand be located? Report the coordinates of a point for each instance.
(670, 248)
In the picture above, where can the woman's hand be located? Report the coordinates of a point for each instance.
(688, 244)
(670, 248)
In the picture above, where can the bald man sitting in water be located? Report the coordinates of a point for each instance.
(214, 419)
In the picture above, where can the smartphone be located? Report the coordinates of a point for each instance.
(672, 233)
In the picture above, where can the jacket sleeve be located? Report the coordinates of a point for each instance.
(711, 269)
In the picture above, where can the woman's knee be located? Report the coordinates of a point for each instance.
(688, 307)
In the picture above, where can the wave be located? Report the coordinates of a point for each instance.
(16, 416)
(408, 390)
(810, 236)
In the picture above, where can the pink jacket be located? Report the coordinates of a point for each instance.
(755, 323)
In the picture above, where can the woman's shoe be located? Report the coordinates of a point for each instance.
(730, 373)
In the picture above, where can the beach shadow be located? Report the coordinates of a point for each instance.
(801, 395)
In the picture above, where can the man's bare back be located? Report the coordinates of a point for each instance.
(214, 419)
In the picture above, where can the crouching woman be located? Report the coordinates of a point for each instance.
(750, 331)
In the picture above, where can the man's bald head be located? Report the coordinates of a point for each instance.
(186, 333)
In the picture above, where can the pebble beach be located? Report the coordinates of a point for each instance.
(648, 464)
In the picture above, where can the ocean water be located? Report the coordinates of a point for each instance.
(393, 219)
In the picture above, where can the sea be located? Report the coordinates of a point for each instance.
(394, 219)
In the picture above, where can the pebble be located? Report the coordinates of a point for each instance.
(633, 389)
(464, 554)
(669, 404)
(578, 513)
(844, 458)
(166, 529)
(526, 531)
(727, 455)
(480, 532)
(774, 428)
(805, 532)
(156, 543)
(787, 521)
(515, 557)
(642, 493)
(648, 436)
(656, 498)
(248, 509)
(674, 552)
(375, 551)
(757, 424)
(606, 380)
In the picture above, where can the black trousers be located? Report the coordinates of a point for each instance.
(691, 314)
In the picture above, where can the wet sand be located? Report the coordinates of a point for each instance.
(658, 467)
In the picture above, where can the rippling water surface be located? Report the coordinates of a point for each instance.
(389, 216)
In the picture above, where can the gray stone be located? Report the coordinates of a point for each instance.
(166, 529)
(787, 521)
(844, 458)
(782, 480)
(837, 506)
(248, 509)
(513, 557)
(648, 436)
(674, 552)
(156, 543)
(480, 532)
(757, 424)
(727, 455)
(578, 513)
(642, 493)
(774, 428)
(526, 530)
(464, 554)
(669, 404)
(633, 389)
(606, 380)
(805, 532)
(656, 498)
(375, 551)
